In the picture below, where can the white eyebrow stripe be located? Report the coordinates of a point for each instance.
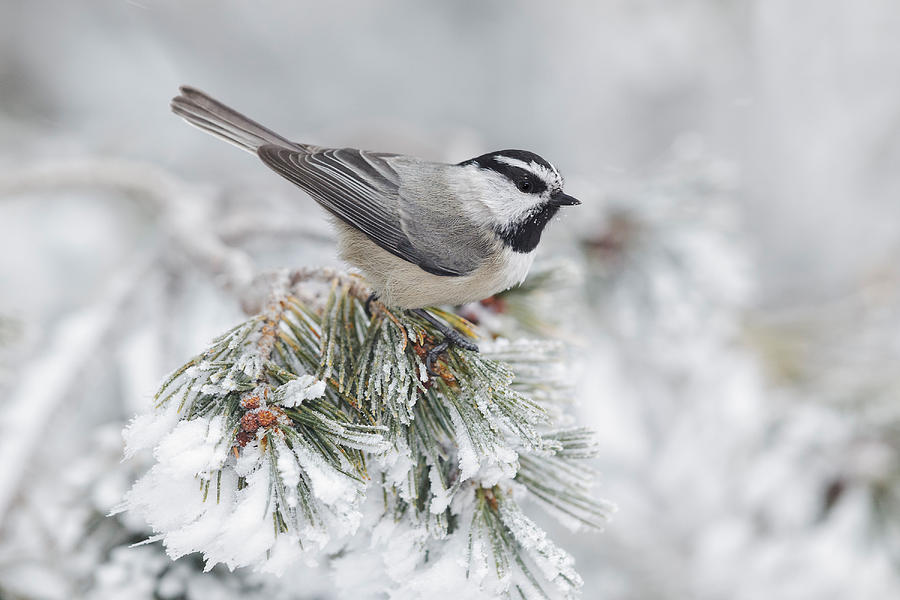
(550, 177)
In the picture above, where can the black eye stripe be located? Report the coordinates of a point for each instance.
(536, 184)
(516, 175)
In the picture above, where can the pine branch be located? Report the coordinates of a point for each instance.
(295, 415)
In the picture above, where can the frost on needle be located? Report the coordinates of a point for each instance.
(312, 426)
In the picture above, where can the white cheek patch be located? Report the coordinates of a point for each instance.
(494, 199)
(505, 202)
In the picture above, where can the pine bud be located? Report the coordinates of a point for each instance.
(250, 422)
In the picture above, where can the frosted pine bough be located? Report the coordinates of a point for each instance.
(312, 431)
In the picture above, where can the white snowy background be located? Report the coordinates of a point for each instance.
(736, 323)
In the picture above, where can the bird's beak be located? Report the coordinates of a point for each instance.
(560, 199)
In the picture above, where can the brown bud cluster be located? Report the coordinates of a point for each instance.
(490, 498)
(265, 418)
(614, 239)
(494, 304)
(250, 403)
(243, 438)
(469, 315)
(421, 350)
(438, 366)
(254, 418)
(250, 422)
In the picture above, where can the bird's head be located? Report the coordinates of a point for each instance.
(521, 193)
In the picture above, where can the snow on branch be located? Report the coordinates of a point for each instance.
(313, 423)
(184, 209)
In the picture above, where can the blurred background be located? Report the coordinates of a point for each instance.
(731, 276)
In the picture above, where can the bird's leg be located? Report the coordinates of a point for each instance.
(368, 305)
(451, 338)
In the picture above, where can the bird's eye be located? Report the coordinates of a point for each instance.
(524, 185)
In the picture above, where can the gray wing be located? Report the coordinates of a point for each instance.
(364, 190)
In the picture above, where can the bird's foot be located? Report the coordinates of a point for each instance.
(368, 305)
(452, 337)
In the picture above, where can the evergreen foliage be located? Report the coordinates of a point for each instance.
(290, 428)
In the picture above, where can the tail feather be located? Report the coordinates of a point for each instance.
(215, 118)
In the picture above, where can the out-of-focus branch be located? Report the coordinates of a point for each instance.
(186, 215)
(266, 285)
(49, 377)
(244, 225)
(186, 211)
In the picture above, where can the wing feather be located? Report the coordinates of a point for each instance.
(363, 190)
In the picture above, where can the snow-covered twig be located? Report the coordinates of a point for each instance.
(185, 210)
(46, 380)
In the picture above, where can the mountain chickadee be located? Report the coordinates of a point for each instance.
(423, 233)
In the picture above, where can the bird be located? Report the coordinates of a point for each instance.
(422, 233)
